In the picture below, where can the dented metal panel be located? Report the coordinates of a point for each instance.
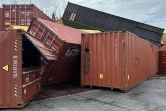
(116, 60)
(64, 43)
(42, 48)
(18, 84)
(20, 14)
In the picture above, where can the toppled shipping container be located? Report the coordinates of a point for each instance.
(20, 68)
(116, 60)
(20, 14)
(64, 42)
(85, 18)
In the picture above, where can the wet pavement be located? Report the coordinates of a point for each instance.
(148, 96)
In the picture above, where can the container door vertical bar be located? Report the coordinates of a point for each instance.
(19, 11)
(10, 15)
(15, 16)
(125, 83)
(25, 16)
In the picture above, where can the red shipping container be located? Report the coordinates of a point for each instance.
(1, 18)
(21, 14)
(64, 42)
(116, 60)
(19, 73)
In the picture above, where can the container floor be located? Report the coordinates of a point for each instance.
(148, 96)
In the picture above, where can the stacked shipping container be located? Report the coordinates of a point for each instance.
(116, 60)
(20, 14)
(85, 18)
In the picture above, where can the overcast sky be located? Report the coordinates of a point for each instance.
(147, 11)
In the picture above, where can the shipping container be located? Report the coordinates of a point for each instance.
(162, 60)
(20, 14)
(1, 18)
(64, 42)
(116, 60)
(20, 68)
(85, 18)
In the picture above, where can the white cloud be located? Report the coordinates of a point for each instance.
(148, 11)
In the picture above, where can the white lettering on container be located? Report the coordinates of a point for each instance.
(15, 67)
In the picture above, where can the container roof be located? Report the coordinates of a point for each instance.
(67, 34)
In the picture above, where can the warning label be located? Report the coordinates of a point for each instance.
(6, 68)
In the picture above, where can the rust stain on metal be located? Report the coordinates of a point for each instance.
(116, 60)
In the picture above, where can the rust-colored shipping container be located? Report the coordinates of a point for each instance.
(64, 42)
(116, 60)
(1, 18)
(21, 14)
(162, 60)
(20, 68)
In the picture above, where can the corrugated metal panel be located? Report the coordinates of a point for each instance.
(71, 35)
(20, 14)
(64, 42)
(162, 62)
(116, 60)
(1, 18)
(162, 59)
(17, 87)
(25, 28)
(42, 48)
(81, 17)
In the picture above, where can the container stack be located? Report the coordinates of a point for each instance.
(86, 46)
(85, 18)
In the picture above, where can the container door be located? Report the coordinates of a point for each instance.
(42, 48)
(50, 40)
(31, 83)
(10, 16)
